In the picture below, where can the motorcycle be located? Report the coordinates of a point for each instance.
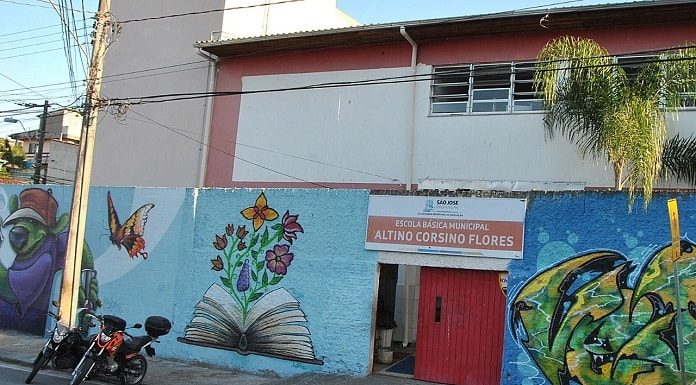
(113, 351)
(64, 348)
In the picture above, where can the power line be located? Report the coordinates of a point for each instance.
(29, 30)
(206, 11)
(227, 153)
(123, 74)
(21, 85)
(33, 38)
(161, 98)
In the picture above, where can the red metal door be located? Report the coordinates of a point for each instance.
(461, 316)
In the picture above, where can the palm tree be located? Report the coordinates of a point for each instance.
(594, 103)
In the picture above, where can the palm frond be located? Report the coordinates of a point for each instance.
(679, 159)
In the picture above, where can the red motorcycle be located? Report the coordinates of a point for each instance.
(114, 352)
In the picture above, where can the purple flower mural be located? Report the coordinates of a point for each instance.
(249, 312)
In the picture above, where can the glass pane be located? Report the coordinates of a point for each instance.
(449, 108)
(450, 90)
(528, 105)
(488, 94)
(489, 107)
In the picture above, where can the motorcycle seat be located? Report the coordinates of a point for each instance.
(134, 344)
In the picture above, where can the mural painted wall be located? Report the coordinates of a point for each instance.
(33, 240)
(593, 301)
(236, 271)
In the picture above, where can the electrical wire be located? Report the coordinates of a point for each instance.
(207, 11)
(227, 153)
(123, 74)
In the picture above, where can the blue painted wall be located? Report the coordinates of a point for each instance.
(561, 226)
(331, 275)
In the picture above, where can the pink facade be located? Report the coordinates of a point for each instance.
(476, 48)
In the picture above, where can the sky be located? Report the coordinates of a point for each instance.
(33, 63)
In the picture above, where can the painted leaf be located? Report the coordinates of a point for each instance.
(253, 297)
(225, 281)
(264, 237)
(254, 240)
(264, 279)
(276, 279)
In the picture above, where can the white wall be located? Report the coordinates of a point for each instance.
(162, 144)
(345, 134)
(156, 144)
(365, 129)
(61, 162)
(307, 15)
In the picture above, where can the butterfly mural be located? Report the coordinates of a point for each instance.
(130, 234)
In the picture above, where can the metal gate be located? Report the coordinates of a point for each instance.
(461, 316)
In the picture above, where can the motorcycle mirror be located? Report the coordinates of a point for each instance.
(137, 326)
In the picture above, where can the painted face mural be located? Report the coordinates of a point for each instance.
(39, 240)
(582, 322)
(249, 314)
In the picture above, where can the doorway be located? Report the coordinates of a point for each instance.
(396, 320)
(461, 320)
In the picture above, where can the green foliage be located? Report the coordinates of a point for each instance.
(13, 154)
(591, 102)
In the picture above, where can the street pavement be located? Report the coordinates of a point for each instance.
(21, 349)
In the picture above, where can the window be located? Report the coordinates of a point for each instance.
(484, 88)
(33, 148)
(491, 88)
(523, 97)
(450, 90)
(632, 66)
(509, 87)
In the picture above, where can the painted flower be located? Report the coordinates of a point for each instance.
(278, 259)
(259, 212)
(243, 280)
(241, 246)
(220, 242)
(229, 230)
(291, 226)
(218, 264)
(242, 232)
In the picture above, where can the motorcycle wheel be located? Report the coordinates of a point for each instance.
(134, 370)
(82, 371)
(39, 363)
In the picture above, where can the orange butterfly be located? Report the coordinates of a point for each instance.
(130, 235)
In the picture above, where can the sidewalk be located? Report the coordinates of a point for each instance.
(19, 348)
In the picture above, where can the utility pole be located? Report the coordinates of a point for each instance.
(72, 272)
(38, 159)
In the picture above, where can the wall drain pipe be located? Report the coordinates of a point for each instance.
(409, 177)
(412, 123)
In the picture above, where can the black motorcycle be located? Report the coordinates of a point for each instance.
(113, 351)
(64, 348)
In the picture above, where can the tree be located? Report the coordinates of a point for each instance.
(592, 102)
(14, 155)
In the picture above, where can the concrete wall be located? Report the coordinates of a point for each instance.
(577, 305)
(165, 137)
(592, 297)
(360, 136)
(271, 19)
(62, 160)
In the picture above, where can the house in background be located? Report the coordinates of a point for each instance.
(172, 138)
(60, 146)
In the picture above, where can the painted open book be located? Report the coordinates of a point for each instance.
(274, 326)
